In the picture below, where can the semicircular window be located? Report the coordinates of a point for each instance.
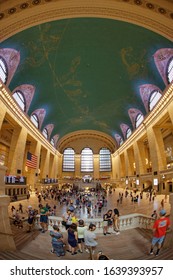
(3, 70)
(52, 141)
(87, 160)
(154, 98)
(35, 120)
(121, 141)
(68, 160)
(128, 133)
(45, 133)
(170, 70)
(139, 119)
(19, 97)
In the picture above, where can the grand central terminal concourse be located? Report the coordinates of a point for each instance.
(86, 129)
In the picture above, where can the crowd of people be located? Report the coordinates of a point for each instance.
(80, 237)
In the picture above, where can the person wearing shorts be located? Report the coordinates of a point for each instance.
(160, 228)
(81, 230)
(44, 218)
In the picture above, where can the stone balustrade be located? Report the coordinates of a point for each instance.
(126, 222)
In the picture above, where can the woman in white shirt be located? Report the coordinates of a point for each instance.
(81, 228)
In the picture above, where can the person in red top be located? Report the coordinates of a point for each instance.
(160, 228)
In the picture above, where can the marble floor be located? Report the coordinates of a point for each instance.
(143, 206)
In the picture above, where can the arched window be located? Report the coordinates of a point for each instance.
(52, 141)
(170, 71)
(139, 119)
(3, 70)
(19, 97)
(68, 160)
(105, 160)
(86, 160)
(121, 141)
(128, 133)
(35, 120)
(45, 133)
(154, 98)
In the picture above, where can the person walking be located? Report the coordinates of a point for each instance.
(160, 227)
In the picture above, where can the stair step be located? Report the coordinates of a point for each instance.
(146, 233)
(16, 255)
(165, 254)
(22, 237)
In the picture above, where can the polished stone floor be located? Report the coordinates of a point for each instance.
(128, 245)
(143, 206)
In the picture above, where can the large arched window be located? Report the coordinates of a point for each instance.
(170, 71)
(68, 160)
(139, 119)
(3, 70)
(105, 159)
(86, 160)
(154, 98)
(19, 97)
(35, 120)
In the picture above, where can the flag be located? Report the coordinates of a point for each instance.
(31, 160)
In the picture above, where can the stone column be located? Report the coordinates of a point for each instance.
(2, 113)
(168, 243)
(131, 160)
(96, 166)
(6, 236)
(140, 157)
(77, 165)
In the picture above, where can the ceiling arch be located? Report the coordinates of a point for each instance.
(87, 74)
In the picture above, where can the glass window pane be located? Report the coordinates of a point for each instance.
(105, 160)
(18, 96)
(128, 133)
(3, 70)
(170, 71)
(34, 120)
(139, 119)
(45, 133)
(87, 160)
(69, 160)
(154, 98)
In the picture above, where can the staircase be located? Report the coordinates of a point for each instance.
(22, 237)
(166, 252)
(146, 233)
(16, 255)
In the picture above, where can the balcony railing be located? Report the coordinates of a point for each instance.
(126, 222)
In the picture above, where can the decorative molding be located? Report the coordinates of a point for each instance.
(86, 135)
(33, 3)
(60, 12)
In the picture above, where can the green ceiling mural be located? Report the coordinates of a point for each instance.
(86, 71)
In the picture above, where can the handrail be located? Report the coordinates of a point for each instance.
(6, 233)
(126, 222)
